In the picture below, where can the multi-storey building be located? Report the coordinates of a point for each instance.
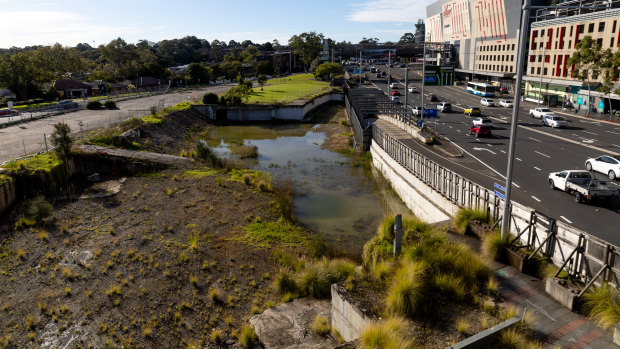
(484, 34)
(549, 77)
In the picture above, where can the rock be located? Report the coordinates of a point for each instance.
(290, 325)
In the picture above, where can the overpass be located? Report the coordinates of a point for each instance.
(407, 50)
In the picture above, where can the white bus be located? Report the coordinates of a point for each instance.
(481, 89)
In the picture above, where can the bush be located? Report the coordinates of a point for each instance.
(602, 304)
(60, 138)
(465, 215)
(406, 292)
(315, 282)
(247, 337)
(388, 335)
(285, 283)
(321, 326)
(209, 98)
(493, 245)
(204, 152)
(110, 105)
(93, 105)
(38, 209)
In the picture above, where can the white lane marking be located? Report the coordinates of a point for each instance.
(616, 133)
(536, 168)
(483, 163)
(450, 126)
(534, 139)
(539, 153)
(518, 159)
(485, 149)
(566, 219)
(615, 145)
(535, 198)
(592, 133)
(503, 151)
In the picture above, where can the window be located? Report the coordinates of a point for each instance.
(511, 69)
(532, 71)
(613, 27)
(580, 28)
(611, 42)
(502, 58)
(571, 31)
(512, 58)
(600, 42)
(595, 74)
(540, 46)
(553, 72)
(539, 58)
(503, 47)
(513, 47)
(556, 45)
(545, 71)
(542, 33)
(590, 27)
(557, 32)
(569, 42)
(535, 34)
(538, 71)
(554, 58)
(601, 27)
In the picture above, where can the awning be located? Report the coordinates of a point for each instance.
(553, 81)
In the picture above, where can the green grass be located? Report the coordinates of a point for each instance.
(153, 120)
(248, 337)
(321, 326)
(44, 162)
(201, 173)
(465, 215)
(602, 304)
(287, 89)
(265, 234)
(406, 293)
(4, 178)
(493, 245)
(387, 335)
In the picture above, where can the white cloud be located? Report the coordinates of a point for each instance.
(389, 11)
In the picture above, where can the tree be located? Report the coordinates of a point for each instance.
(197, 72)
(276, 45)
(238, 93)
(265, 68)
(230, 70)
(266, 47)
(372, 41)
(307, 46)
(121, 56)
(261, 79)
(586, 59)
(328, 70)
(407, 38)
(209, 98)
(608, 65)
(60, 138)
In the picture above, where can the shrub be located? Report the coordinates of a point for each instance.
(110, 105)
(321, 326)
(602, 304)
(493, 245)
(60, 138)
(449, 286)
(406, 292)
(38, 209)
(381, 271)
(462, 326)
(284, 194)
(24, 223)
(216, 336)
(284, 282)
(214, 295)
(209, 98)
(247, 337)
(315, 282)
(204, 152)
(465, 215)
(510, 339)
(93, 105)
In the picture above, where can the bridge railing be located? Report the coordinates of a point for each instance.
(583, 256)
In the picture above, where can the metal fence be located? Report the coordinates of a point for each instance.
(585, 257)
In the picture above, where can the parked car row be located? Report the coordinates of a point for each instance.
(9, 112)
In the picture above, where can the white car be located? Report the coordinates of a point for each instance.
(505, 103)
(553, 121)
(482, 122)
(393, 85)
(395, 99)
(607, 164)
(487, 102)
(412, 89)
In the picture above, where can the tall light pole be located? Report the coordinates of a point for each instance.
(515, 115)
(389, 64)
(423, 74)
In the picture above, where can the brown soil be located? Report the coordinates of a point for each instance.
(124, 270)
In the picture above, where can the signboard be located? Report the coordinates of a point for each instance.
(580, 100)
(10, 105)
(419, 123)
(430, 113)
(358, 71)
(601, 105)
(435, 75)
(500, 195)
(499, 187)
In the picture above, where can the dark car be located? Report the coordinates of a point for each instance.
(67, 104)
(480, 131)
(432, 97)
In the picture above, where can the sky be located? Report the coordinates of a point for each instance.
(69, 22)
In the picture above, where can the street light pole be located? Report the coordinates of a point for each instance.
(515, 116)
(389, 64)
(423, 75)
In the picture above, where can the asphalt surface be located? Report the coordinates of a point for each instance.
(26, 138)
(539, 150)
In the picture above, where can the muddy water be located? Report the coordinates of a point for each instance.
(333, 197)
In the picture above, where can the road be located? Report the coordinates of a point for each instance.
(27, 138)
(539, 151)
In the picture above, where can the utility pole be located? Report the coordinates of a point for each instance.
(361, 68)
(473, 70)
(406, 91)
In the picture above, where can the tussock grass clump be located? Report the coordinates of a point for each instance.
(602, 304)
(465, 215)
(449, 285)
(386, 335)
(462, 326)
(314, 279)
(245, 151)
(247, 337)
(493, 245)
(381, 271)
(315, 282)
(284, 194)
(406, 293)
(38, 209)
(511, 339)
(216, 336)
(285, 283)
(321, 326)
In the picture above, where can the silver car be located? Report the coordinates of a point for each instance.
(554, 121)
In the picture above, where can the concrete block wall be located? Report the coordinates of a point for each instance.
(347, 319)
(7, 194)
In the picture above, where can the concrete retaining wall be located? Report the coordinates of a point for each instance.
(7, 194)
(265, 113)
(347, 319)
(424, 202)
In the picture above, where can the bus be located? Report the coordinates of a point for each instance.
(481, 89)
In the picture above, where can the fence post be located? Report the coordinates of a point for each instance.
(45, 139)
(398, 233)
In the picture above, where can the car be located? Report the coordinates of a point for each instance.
(395, 99)
(505, 103)
(480, 131)
(482, 121)
(487, 102)
(607, 164)
(540, 112)
(417, 110)
(378, 75)
(553, 121)
(444, 107)
(471, 111)
(432, 97)
(412, 89)
(67, 104)
(582, 186)
(402, 66)
(9, 112)
(393, 85)
(382, 73)
(395, 93)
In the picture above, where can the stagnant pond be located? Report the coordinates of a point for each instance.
(333, 197)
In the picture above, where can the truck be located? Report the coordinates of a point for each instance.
(582, 186)
(540, 112)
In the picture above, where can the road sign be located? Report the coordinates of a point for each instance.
(601, 105)
(419, 123)
(10, 105)
(436, 75)
(580, 100)
(501, 196)
(358, 71)
(430, 113)
(499, 187)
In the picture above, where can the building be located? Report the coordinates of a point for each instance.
(484, 34)
(553, 40)
(70, 88)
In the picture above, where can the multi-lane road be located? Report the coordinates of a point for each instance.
(539, 151)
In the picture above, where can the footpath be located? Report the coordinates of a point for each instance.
(555, 325)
